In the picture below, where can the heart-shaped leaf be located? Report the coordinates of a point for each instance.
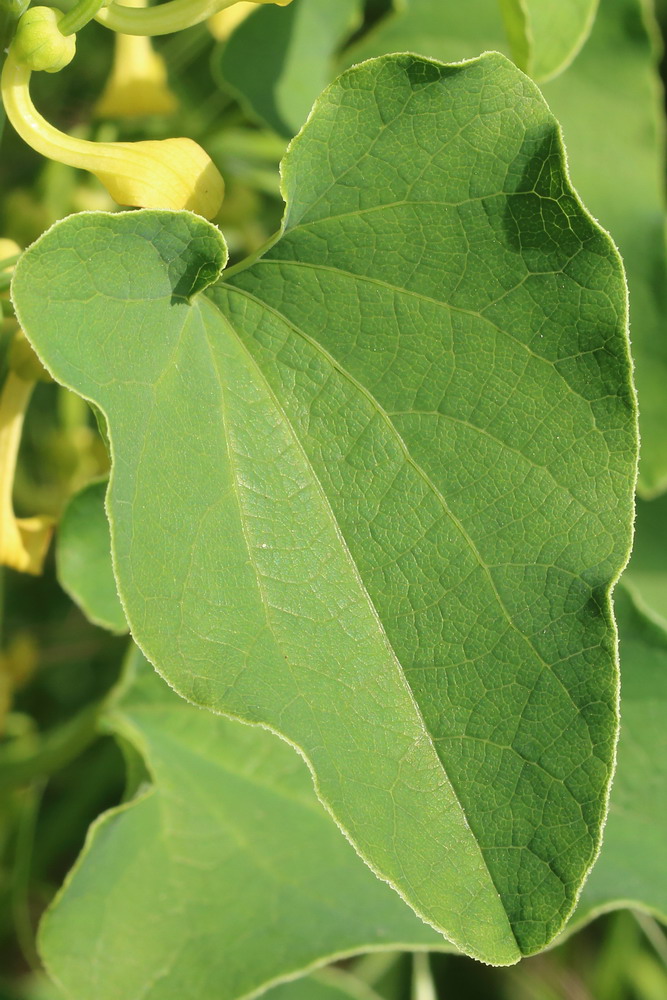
(373, 490)
(632, 867)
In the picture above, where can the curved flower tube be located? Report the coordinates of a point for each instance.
(175, 15)
(166, 173)
(138, 82)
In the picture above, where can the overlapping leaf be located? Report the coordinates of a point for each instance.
(647, 573)
(279, 60)
(372, 491)
(546, 35)
(610, 106)
(632, 868)
(227, 875)
(84, 566)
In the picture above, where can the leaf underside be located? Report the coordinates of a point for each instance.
(372, 491)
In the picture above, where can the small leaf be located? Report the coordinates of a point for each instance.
(610, 106)
(632, 867)
(279, 60)
(373, 490)
(84, 561)
(227, 873)
(546, 35)
(646, 575)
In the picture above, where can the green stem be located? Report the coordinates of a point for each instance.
(8, 262)
(79, 16)
(175, 15)
(56, 750)
(23, 921)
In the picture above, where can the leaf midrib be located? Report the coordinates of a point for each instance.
(351, 562)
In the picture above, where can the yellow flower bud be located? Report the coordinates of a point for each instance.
(167, 173)
(175, 15)
(138, 82)
(222, 24)
(39, 44)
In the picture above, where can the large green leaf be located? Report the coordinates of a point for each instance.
(372, 491)
(226, 875)
(279, 60)
(546, 35)
(83, 558)
(609, 104)
(632, 867)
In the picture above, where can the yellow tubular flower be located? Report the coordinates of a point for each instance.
(175, 15)
(138, 82)
(167, 173)
(23, 541)
(224, 22)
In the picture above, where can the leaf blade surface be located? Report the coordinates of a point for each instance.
(415, 494)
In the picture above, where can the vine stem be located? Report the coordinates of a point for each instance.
(79, 16)
(176, 15)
